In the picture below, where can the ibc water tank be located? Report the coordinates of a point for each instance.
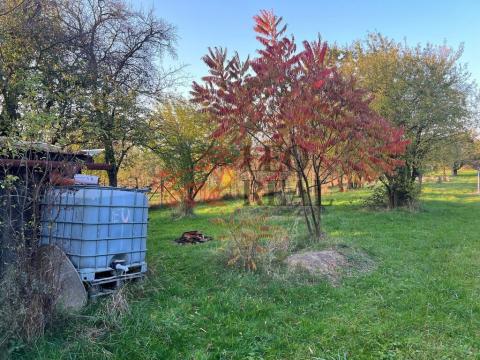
(101, 229)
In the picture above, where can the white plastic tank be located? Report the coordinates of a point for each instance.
(101, 229)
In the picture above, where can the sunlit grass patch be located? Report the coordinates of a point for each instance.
(419, 302)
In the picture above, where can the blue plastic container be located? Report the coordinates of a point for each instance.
(97, 227)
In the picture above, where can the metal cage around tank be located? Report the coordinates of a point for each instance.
(102, 230)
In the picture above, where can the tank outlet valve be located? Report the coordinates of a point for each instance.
(121, 267)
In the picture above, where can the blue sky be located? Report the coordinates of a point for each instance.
(201, 24)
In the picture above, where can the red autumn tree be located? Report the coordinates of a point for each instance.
(310, 117)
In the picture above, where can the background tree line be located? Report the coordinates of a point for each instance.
(82, 73)
(86, 73)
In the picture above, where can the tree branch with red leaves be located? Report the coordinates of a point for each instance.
(296, 103)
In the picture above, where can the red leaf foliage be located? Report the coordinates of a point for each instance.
(298, 105)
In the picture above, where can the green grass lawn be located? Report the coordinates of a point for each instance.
(421, 302)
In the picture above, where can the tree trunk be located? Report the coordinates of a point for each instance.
(318, 195)
(246, 192)
(319, 206)
(350, 184)
(271, 193)
(110, 160)
(392, 198)
(255, 197)
(187, 207)
(304, 203)
(188, 202)
(316, 221)
(9, 114)
(283, 200)
(112, 177)
(340, 184)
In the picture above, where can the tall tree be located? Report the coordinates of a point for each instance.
(31, 78)
(119, 49)
(422, 89)
(301, 108)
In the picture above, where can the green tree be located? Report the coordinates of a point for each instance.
(454, 153)
(187, 149)
(32, 76)
(425, 90)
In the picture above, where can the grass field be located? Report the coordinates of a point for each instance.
(421, 302)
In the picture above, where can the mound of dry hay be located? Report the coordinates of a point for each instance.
(330, 264)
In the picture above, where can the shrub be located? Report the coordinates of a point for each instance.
(405, 194)
(28, 295)
(252, 241)
(27, 302)
(378, 198)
